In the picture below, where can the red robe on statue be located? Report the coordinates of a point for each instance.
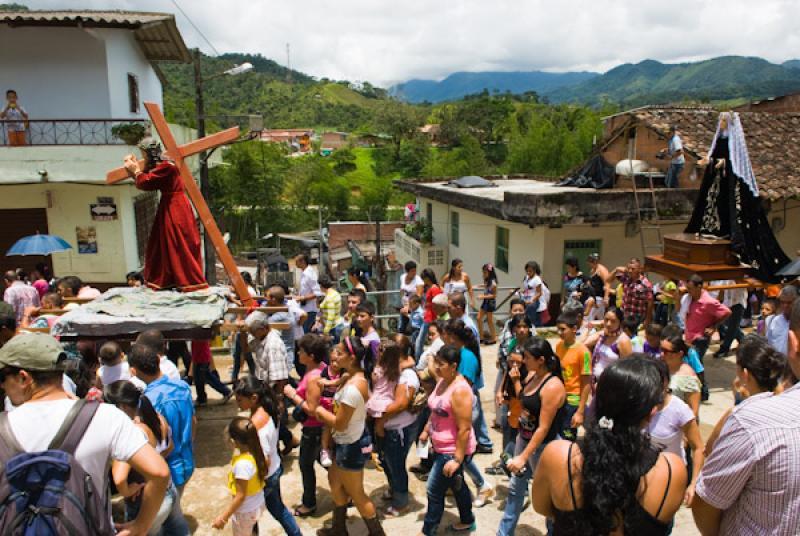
(172, 258)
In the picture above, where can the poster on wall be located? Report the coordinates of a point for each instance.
(87, 239)
(103, 212)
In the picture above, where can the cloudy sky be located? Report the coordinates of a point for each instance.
(386, 42)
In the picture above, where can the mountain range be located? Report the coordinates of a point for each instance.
(646, 82)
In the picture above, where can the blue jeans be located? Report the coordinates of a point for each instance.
(396, 444)
(532, 312)
(674, 171)
(438, 484)
(419, 345)
(518, 490)
(175, 524)
(479, 422)
(731, 329)
(310, 319)
(566, 431)
(275, 506)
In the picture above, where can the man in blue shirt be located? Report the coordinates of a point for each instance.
(173, 400)
(677, 160)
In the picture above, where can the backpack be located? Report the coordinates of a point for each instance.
(48, 492)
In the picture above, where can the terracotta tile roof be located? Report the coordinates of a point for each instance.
(773, 141)
(157, 33)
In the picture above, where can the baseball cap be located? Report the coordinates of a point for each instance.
(33, 351)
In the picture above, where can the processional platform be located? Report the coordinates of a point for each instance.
(686, 254)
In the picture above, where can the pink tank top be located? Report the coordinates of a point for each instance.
(443, 428)
(302, 388)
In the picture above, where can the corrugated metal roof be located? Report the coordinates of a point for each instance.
(156, 33)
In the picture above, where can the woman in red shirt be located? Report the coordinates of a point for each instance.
(432, 290)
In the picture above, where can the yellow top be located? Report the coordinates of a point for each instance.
(254, 485)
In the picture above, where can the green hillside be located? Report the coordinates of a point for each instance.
(266, 91)
(652, 82)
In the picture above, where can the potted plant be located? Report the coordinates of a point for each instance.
(130, 133)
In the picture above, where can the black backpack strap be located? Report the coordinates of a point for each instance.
(9, 446)
(74, 426)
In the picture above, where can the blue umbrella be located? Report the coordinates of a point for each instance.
(38, 244)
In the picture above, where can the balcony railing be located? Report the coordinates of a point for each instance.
(68, 131)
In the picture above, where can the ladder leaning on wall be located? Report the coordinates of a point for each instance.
(646, 216)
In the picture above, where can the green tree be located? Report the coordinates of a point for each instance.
(398, 120)
(344, 161)
(414, 155)
(14, 7)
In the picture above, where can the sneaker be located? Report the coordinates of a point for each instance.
(484, 495)
(483, 449)
(325, 459)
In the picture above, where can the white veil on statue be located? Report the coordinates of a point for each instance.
(740, 159)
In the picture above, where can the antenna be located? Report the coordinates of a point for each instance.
(288, 64)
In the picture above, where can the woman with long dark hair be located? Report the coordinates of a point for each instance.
(265, 410)
(608, 345)
(542, 394)
(353, 442)
(489, 303)
(453, 440)
(613, 481)
(312, 352)
(431, 290)
(457, 280)
(128, 398)
(357, 278)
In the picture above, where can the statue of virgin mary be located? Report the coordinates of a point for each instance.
(728, 205)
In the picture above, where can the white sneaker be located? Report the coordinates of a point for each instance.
(325, 459)
(484, 495)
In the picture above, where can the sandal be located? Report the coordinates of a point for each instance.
(468, 528)
(304, 513)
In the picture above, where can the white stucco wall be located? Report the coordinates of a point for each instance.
(542, 244)
(788, 234)
(116, 240)
(73, 73)
(124, 56)
(59, 73)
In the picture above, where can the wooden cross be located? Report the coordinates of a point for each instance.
(178, 154)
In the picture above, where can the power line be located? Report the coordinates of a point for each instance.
(216, 52)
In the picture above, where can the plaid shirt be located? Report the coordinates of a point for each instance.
(272, 361)
(753, 472)
(330, 308)
(637, 296)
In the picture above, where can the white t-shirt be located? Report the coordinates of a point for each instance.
(731, 296)
(297, 313)
(121, 371)
(349, 395)
(110, 436)
(268, 436)
(168, 369)
(430, 352)
(409, 378)
(409, 289)
(309, 285)
(666, 426)
(529, 285)
(244, 470)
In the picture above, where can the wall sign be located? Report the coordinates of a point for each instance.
(87, 239)
(103, 212)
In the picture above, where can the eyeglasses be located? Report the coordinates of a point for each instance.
(668, 351)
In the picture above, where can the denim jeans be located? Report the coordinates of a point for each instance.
(164, 512)
(310, 447)
(396, 444)
(673, 173)
(479, 422)
(309, 323)
(203, 375)
(566, 431)
(474, 472)
(275, 506)
(731, 329)
(175, 524)
(237, 359)
(532, 312)
(419, 345)
(438, 484)
(518, 490)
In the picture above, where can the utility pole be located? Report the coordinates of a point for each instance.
(205, 187)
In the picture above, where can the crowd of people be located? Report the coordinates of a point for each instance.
(600, 424)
